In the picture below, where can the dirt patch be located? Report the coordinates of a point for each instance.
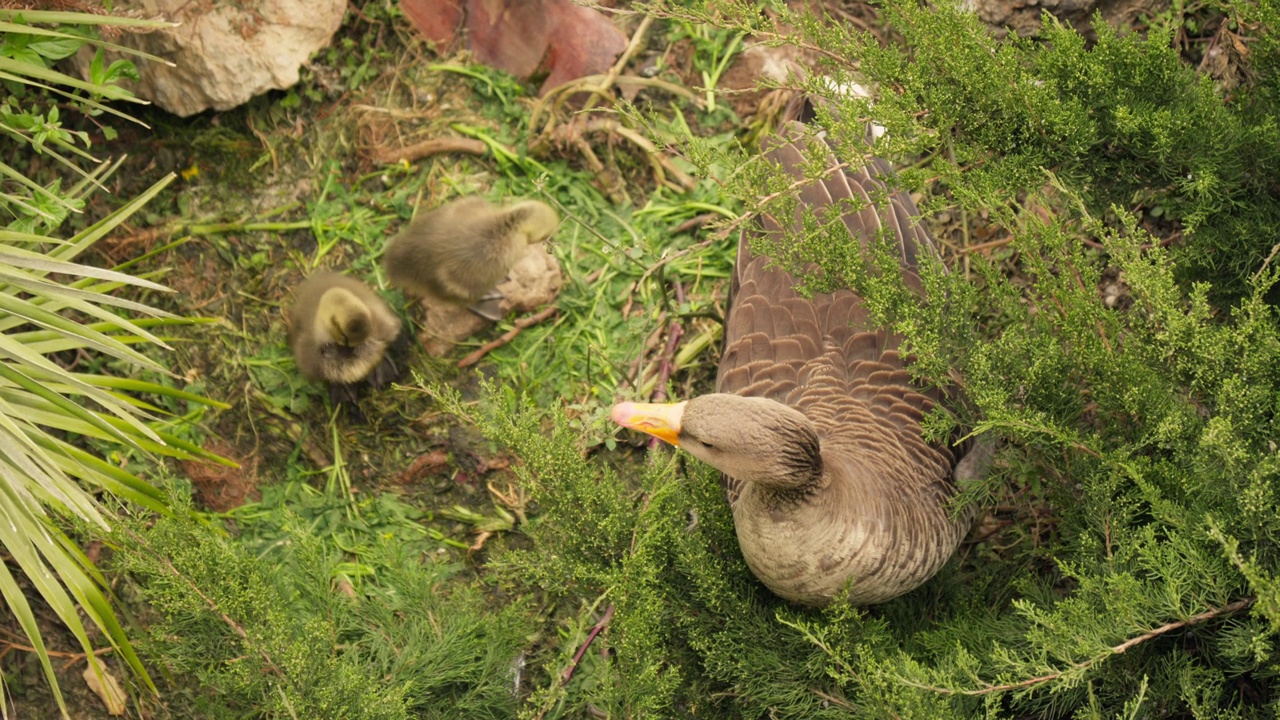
(221, 488)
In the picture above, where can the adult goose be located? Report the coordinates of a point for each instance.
(816, 423)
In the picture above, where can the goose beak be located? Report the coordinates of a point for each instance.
(659, 420)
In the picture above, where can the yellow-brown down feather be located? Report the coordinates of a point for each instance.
(462, 249)
(339, 328)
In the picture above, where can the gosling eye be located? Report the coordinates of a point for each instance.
(705, 445)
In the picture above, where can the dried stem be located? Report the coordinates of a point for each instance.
(507, 336)
(427, 148)
(637, 38)
(567, 675)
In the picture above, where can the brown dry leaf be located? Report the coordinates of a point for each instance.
(438, 20)
(521, 36)
(426, 464)
(510, 35)
(107, 688)
(1239, 44)
(221, 488)
(583, 42)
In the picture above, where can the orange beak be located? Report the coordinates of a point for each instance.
(661, 420)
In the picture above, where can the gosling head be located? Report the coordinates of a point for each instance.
(534, 221)
(344, 318)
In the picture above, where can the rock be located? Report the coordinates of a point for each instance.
(225, 53)
(534, 281)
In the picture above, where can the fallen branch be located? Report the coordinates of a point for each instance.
(427, 148)
(507, 336)
(1116, 650)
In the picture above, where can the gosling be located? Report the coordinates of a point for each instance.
(340, 331)
(461, 250)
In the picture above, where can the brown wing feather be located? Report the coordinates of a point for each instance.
(823, 355)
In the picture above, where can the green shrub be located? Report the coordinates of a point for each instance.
(1133, 570)
(1129, 562)
(302, 639)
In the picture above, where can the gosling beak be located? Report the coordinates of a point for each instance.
(659, 420)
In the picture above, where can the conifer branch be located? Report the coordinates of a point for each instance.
(1116, 650)
(213, 606)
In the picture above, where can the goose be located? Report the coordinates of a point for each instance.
(815, 423)
(340, 331)
(461, 250)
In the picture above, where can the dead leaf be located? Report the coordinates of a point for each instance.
(523, 36)
(438, 20)
(106, 688)
(510, 35)
(218, 487)
(426, 464)
(583, 42)
(1239, 45)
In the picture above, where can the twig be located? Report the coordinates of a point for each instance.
(567, 675)
(427, 148)
(986, 245)
(73, 656)
(507, 336)
(1265, 263)
(696, 221)
(834, 700)
(1116, 650)
(612, 76)
(701, 245)
(764, 201)
(661, 164)
(1164, 242)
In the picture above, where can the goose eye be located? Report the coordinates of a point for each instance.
(706, 445)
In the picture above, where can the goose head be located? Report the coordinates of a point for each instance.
(750, 439)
